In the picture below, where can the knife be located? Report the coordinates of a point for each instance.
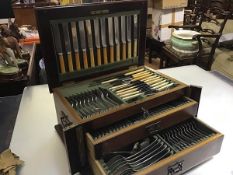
(67, 46)
(83, 43)
(123, 40)
(103, 38)
(75, 45)
(110, 31)
(90, 42)
(135, 35)
(97, 40)
(116, 27)
(57, 43)
(129, 35)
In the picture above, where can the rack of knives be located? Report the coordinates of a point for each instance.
(102, 95)
(95, 41)
(139, 83)
(155, 148)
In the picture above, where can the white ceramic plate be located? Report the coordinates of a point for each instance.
(184, 34)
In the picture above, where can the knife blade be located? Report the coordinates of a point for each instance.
(75, 45)
(123, 40)
(110, 32)
(67, 46)
(103, 38)
(97, 40)
(129, 35)
(135, 35)
(116, 31)
(57, 43)
(83, 43)
(90, 42)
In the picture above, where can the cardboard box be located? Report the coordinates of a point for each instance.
(150, 3)
(161, 19)
(169, 4)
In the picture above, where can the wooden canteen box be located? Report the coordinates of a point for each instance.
(114, 114)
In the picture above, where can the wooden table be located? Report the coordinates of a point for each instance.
(37, 143)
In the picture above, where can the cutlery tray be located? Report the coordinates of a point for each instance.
(173, 150)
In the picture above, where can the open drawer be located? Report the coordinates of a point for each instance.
(170, 151)
(136, 127)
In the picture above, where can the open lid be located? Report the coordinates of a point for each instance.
(82, 41)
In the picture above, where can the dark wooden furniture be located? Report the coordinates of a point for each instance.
(154, 48)
(25, 13)
(14, 87)
(89, 124)
(207, 41)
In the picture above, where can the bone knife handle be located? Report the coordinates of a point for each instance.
(133, 96)
(98, 57)
(70, 62)
(129, 49)
(105, 55)
(134, 72)
(124, 51)
(77, 59)
(85, 62)
(111, 54)
(92, 57)
(135, 47)
(62, 63)
(118, 52)
(128, 92)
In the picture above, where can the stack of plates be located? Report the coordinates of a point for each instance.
(182, 41)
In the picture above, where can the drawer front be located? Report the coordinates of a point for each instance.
(177, 163)
(141, 129)
(187, 159)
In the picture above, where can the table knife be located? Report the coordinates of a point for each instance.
(129, 23)
(123, 39)
(57, 40)
(103, 38)
(75, 45)
(67, 46)
(116, 31)
(83, 43)
(135, 35)
(97, 40)
(110, 31)
(90, 42)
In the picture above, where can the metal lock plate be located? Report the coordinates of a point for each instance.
(65, 120)
(175, 168)
(154, 128)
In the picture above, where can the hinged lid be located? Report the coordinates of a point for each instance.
(87, 40)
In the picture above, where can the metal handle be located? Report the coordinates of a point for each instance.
(175, 168)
